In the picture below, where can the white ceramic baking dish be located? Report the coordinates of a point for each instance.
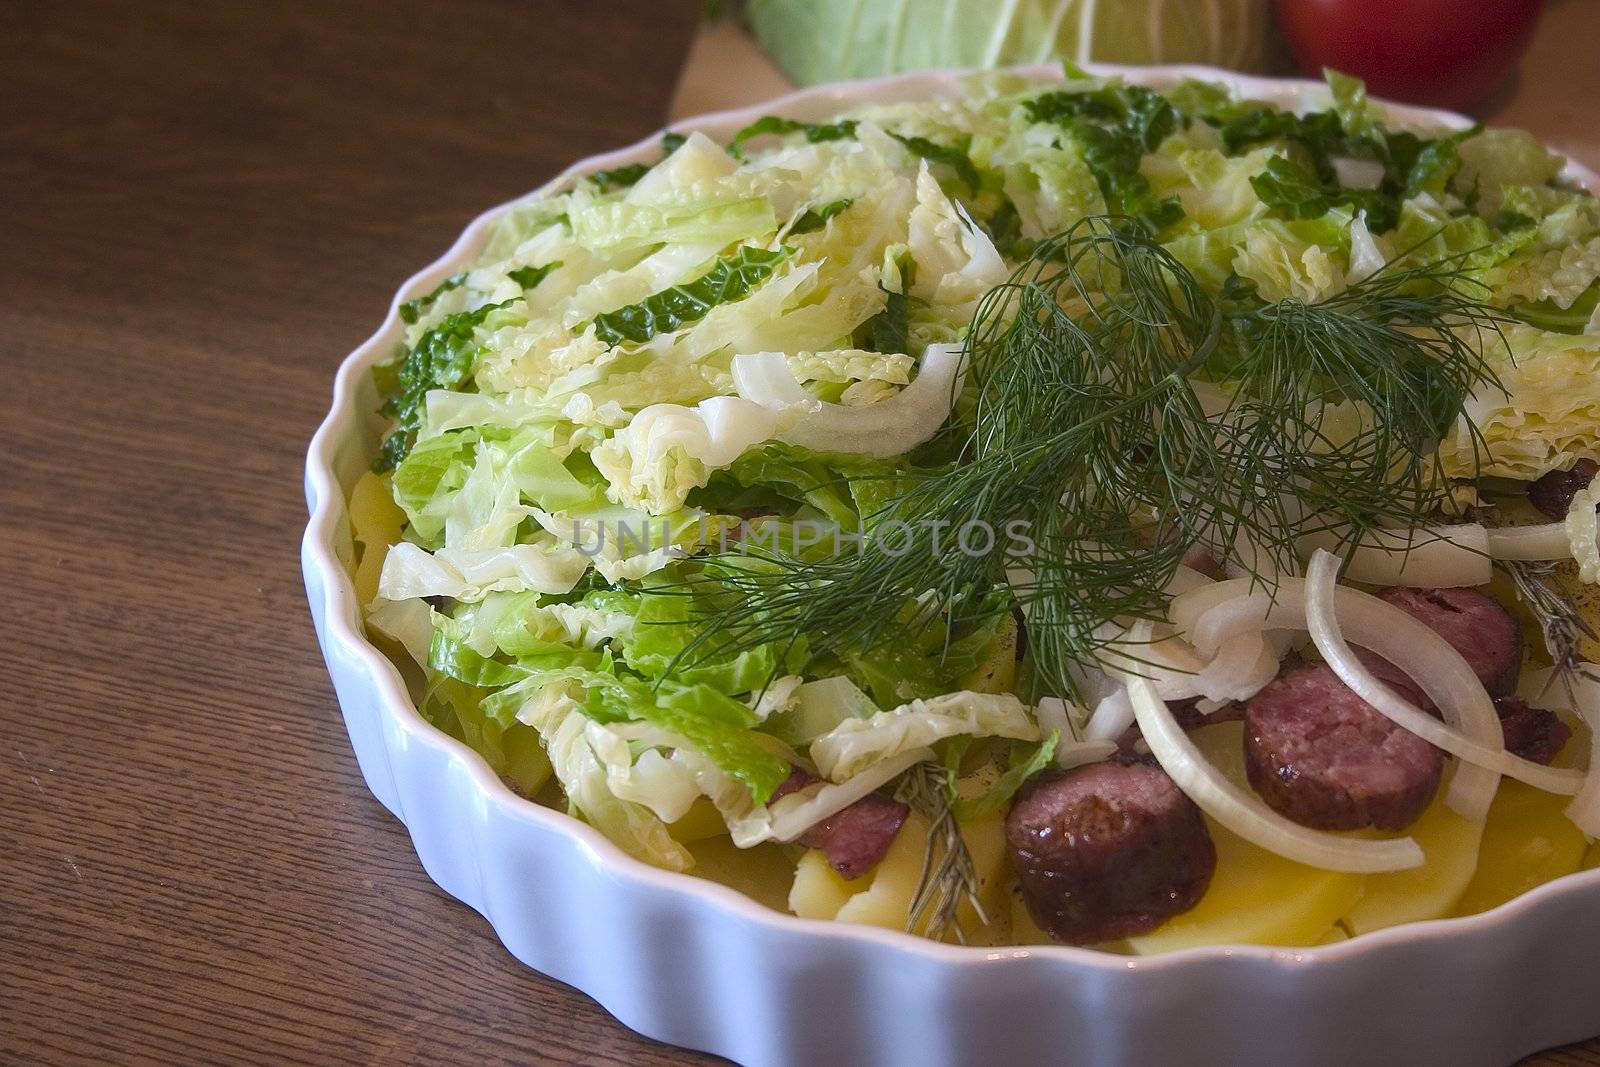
(696, 964)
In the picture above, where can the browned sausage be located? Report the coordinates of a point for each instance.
(1108, 850)
(1479, 627)
(856, 838)
(1320, 755)
(1532, 733)
(1552, 493)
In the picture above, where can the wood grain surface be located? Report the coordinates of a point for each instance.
(203, 207)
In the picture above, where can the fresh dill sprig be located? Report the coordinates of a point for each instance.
(1108, 389)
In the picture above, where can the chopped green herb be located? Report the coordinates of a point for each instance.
(1437, 162)
(1298, 194)
(1114, 126)
(619, 177)
(889, 330)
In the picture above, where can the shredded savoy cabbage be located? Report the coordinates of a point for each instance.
(569, 443)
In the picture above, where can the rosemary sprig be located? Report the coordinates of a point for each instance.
(948, 876)
(1561, 624)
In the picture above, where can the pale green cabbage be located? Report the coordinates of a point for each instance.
(826, 40)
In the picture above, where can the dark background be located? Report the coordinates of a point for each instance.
(203, 207)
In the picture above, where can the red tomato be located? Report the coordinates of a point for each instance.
(1447, 53)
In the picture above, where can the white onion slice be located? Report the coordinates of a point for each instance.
(1209, 616)
(1186, 578)
(1111, 717)
(1545, 541)
(1244, 813)
(1358, 173)
(1584, 811)
(1241, 668)
(796, 813)
(1431, 661)
(1472, 788)
(887, 428)
(1052, 715)
(1429, 557)
(1582, 528)
(1070, 754)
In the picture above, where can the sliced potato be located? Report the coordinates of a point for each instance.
(762, 873)
(375, 524)
(1450, 844)
(1527, 841)
(527, 766)
(700, 822)
(883, 896)
(1024, 931)
(1256, 897)
(998, 671)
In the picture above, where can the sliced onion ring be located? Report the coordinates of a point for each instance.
(1429, 557)
(1545, 541)
(1584, 687)
(1430, 660)
(1111, 717)
(887, 428)
(1452, 685)
(1242, 811)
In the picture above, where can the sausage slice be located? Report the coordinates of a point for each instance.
(1553, 491)
(1477, 626)
(1108, 850)
(1320, 755)
(1533, 733)
(856, 838)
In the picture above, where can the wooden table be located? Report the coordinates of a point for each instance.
(205, 206)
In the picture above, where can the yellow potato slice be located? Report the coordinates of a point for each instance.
(818, 892)
(1024, 931)
(1527, 841)
(375, 523)
(998, 671)
(1450, 845)
(700, 822)
(986, 843)
(374, 516)
(527, 766)
(1256, 897)
(883, 896)
(762, 873)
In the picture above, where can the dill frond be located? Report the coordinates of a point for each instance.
(1086, 415)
